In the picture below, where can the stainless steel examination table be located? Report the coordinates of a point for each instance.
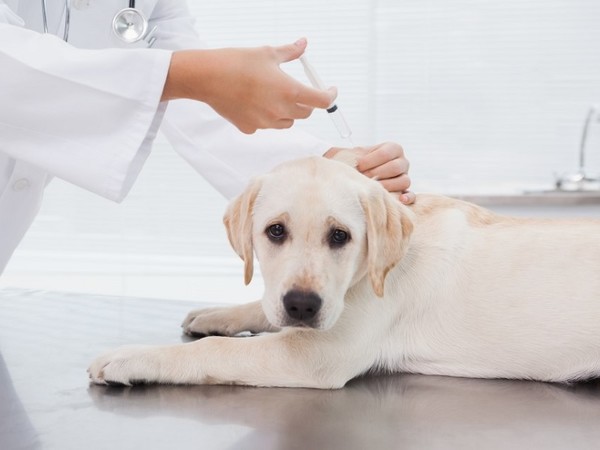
(47, 340)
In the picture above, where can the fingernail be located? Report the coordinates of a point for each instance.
(300, 42)
(334, 92)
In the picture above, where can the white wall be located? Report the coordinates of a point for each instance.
(484, 96)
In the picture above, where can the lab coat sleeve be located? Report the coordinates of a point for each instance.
(86, 116)
(223, 155)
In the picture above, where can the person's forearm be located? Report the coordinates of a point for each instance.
(187, 75)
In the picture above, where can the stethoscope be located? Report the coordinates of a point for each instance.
(129, 24)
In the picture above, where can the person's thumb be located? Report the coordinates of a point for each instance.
(290, 52)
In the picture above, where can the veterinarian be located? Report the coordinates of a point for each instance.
(85, 87)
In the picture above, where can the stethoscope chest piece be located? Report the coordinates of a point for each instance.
(130, 25)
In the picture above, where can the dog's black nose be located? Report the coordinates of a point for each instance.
(302, 306)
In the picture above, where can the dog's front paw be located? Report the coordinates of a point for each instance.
(126, 366)
(212, 322)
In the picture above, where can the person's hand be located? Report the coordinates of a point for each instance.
(246, 85)
(386, 163)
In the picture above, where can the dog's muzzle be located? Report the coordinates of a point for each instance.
(301, 307)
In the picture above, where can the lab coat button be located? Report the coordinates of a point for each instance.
(21, 184)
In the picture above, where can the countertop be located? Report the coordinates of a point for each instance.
(534, 198)
(47, 340)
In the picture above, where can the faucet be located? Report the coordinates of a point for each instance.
(580, 181)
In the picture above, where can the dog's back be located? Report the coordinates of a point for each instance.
(501, 296)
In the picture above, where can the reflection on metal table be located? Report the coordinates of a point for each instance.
(47, 339)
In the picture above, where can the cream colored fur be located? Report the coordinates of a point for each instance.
(441, 287)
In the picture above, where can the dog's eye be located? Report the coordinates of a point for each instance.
(338, 238)
(276, 232)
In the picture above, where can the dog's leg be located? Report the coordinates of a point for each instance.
(290, 358)
(227, 321)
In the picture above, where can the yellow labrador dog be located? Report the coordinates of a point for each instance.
(356, 282)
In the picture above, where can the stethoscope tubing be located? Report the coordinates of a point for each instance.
(67, 18)
(44, 16)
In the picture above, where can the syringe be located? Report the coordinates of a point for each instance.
(333, 110)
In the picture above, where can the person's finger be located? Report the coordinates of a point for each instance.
(408, 197)
(390, 169)
(301, 111)
(379, 155)
(290, 52)
(245, 128)
(282, 123)
(397, 184)
(316, 98)
(265, 124)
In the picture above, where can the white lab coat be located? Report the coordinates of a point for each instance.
(87, 111)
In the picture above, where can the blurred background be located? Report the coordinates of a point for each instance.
(486, 97)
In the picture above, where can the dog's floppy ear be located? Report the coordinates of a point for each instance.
(388, 232)
(238, 222)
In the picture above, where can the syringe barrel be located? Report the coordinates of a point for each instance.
(338, 120)
(333, 110)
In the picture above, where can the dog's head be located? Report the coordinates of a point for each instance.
(317, 227)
